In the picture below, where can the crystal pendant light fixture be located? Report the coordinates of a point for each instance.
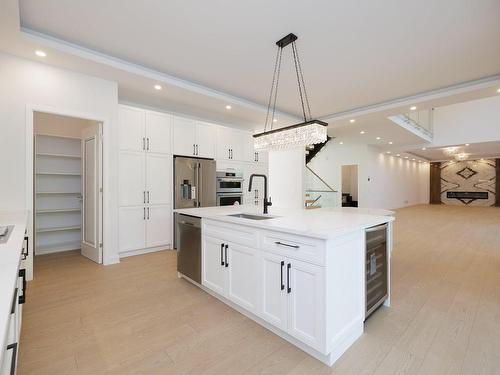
(306, 133)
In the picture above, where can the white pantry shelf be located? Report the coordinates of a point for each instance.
(58, 193)
(61, 246)
(57, 210)
(58, 155)
(57, 174)
(57, 229)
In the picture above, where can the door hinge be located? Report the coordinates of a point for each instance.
(100, 244)
(100, 189)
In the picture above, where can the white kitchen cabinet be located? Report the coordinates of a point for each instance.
(158, 225)
(132, 178)
(205, 139)
(213, 267)
(305, 302)
(184, 136)
(250, 155)
(230, 144)
(274, 296)
(194, 138)
(158, 132)
(158, 179)
(131, 122)
(243, 276)
(132, 228)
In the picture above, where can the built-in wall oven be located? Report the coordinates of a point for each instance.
(229, 188)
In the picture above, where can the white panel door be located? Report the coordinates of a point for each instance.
(238, 140)
(131, 128)
(159, 132)
(132, 178)
(184, 136)
(223, 143)
(132, 228)
(213, 270)
(159, 178)
(205, 140)
(273, 290)
(244, 276)
(306, 302)
(158, 225)
(91, 193)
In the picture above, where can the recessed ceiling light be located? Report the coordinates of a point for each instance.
(423, 149)
(406, 157)
(228, 106)
(420, 161)
(362, 132)
(352, 121)
(274, 120)
(498, 90)
(387, 152)
(158, 87)
(412, 108)
(413, 159)
(467, 144)
(390, 142)
(398, 154)
(40, 53)
(341, 142)
(378, 138)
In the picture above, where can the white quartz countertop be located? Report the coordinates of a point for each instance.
(323, 223)
(10, 256)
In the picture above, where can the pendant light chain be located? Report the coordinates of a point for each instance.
(298, 80)
(272, 89)
(303, 82)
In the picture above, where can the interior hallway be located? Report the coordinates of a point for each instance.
(137, 317)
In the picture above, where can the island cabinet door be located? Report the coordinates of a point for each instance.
(243, 276)
(305, 288)
(273, 294)
(213, 267)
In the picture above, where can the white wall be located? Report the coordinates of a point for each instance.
(25, 83)
(384, 181)
(468, 122)
(286, 178)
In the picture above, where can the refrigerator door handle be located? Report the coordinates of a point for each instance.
(200, 184)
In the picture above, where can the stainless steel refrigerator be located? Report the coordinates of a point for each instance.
(194, 184)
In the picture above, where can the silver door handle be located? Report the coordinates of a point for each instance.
(148, 144)
(148, 213)
(144, 196)
(194, 149)
(144, 213)
(148, 196)
(143, 143)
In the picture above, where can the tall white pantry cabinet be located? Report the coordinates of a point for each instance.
(145, 178)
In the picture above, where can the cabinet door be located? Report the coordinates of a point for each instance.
(205, 140)
(131, 128)
(273, 290)
(158, 225)
(213, 270)
(159, 132)
(159, 178)
(184, 136)
(244, 276)
(306, 302)
(132, 228)
(238, 140)
(132, 178)
(223, 143)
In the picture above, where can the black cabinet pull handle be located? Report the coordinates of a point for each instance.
(22, 298)
(14, 357)
(221, 254)
(26, 250)
(14, 300)
(288, 290)
(282, 284)
(287, 245)
(225, 255)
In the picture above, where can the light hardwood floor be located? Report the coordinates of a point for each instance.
(138, 318)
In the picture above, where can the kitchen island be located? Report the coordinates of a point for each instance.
(300, 273)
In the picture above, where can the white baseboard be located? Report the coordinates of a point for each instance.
(132, 253)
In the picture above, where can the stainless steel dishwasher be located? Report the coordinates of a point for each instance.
(189, 246)
(376, 267)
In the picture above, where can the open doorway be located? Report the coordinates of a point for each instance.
(67, 175)
(349, 186)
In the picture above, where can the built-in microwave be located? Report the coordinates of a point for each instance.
(229, 199)
(229, 182)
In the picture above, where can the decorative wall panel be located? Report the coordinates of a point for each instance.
(469, 182)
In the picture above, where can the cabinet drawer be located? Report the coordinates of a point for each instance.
(297, 247)
(230, 232)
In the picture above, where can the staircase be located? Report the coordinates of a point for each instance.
(314, 196)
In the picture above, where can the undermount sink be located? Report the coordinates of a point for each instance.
(252, 217)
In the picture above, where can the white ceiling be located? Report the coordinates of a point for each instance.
(353, 53)
(474, 151)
